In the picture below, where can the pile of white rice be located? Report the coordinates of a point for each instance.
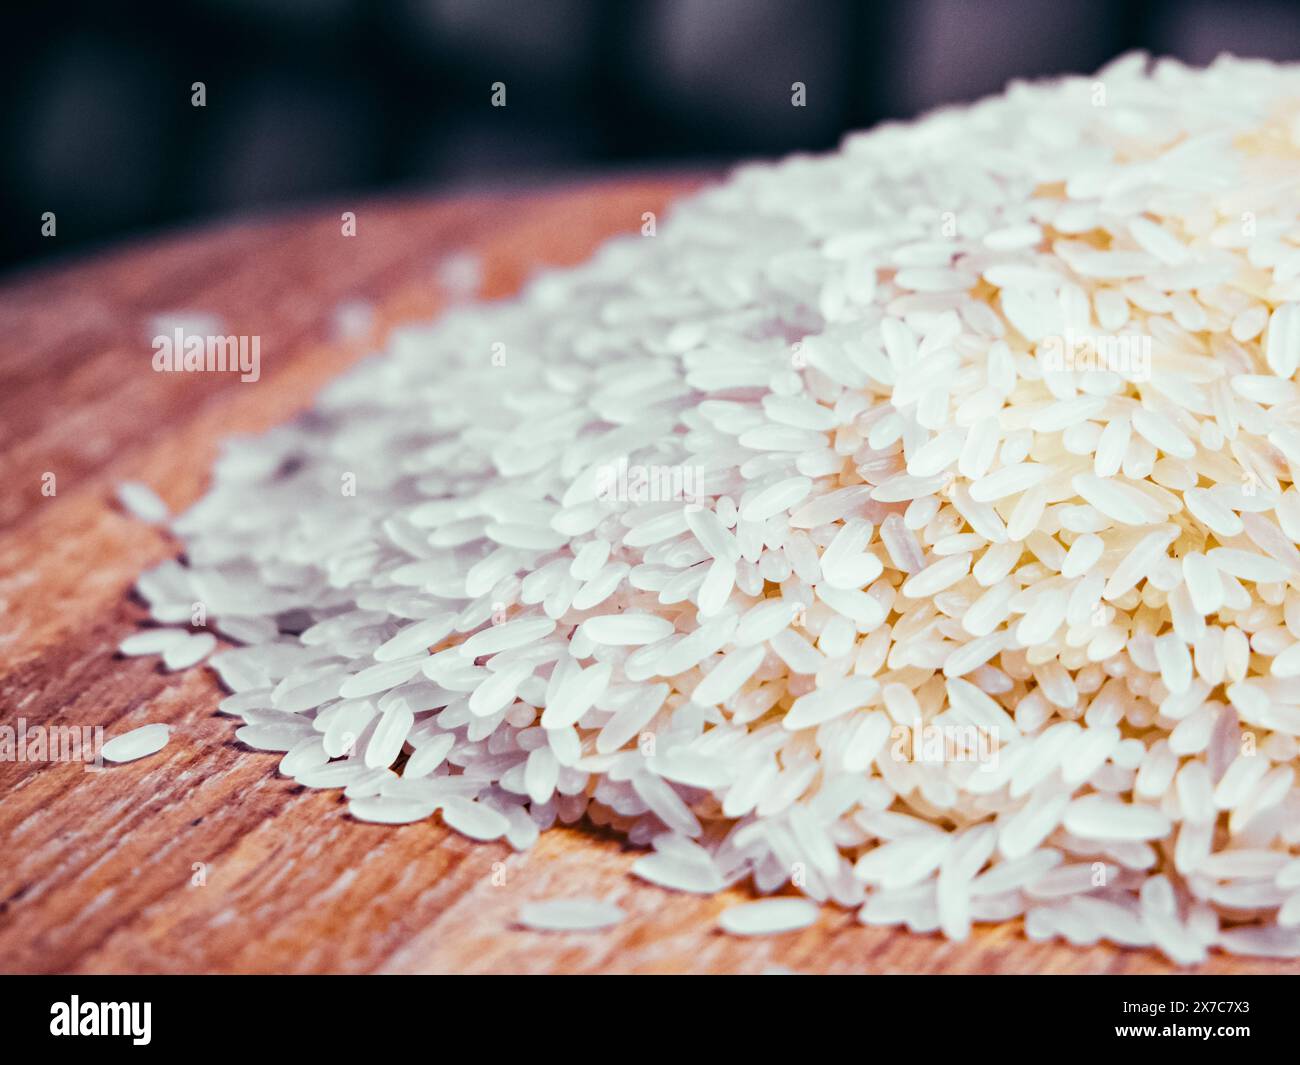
(914, 526)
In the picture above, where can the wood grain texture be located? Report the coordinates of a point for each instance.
(97, 869)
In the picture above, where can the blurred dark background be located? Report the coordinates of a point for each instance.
(315, 99)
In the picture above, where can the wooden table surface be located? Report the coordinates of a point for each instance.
(201, 858)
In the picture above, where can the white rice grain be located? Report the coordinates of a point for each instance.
(767, 917)
(570, 915)
(138, 743)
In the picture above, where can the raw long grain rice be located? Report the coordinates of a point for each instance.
(972, 442)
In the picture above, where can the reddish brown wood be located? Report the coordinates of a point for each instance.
(98, 870)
